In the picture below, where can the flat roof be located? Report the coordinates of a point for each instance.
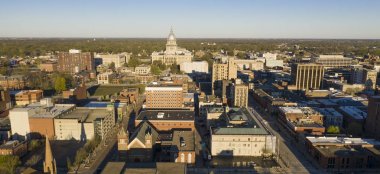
(251, 126)
(329, 112)
(113, 167)
(354, 112)
(166, 115)
(37, 110)
(342, 151)
(86, 114)
(342, 140)
(188, 139)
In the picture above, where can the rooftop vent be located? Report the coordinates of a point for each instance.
(160, 115)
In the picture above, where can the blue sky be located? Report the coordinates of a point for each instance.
(191, 18)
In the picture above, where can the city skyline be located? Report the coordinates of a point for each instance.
(196, 19)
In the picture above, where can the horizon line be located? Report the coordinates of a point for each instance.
(227, 38)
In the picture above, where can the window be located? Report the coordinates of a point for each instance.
(331, 163)
(182, 157)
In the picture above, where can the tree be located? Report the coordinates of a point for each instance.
(174, 69)
(112, 66)
(34, 144)
(60, 84)
(9, 163)
(133, 62)
(333, 130)
(155, 69)
(80, 156)
(159, 64)
(141, 88)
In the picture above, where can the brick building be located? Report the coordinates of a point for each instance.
(5, 103)
(339, 153)
(75, 61)
(165, 120)
(27, 96)
(164, 96)
(14, 148)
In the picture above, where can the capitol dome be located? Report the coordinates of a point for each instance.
(171, 35)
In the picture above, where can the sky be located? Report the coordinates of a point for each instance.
(339, 19)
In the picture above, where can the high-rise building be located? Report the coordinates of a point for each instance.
(223, 70)
(370, 78)
(360, 75)
(373, 118)
(75, 61)
(164, 96)
(333, 61)
(239, 94)
(307, 76)
(173, 54)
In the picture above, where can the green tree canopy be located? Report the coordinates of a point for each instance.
(60, 84)
(133, 62)
(333, 130)
(174, 69)
(112, 66)
(155, 69)
(8, 163)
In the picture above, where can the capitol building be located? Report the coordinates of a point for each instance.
(173, 53)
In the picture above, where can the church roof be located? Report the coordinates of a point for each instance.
(144, 129)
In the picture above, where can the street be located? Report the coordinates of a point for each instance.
(289, 157)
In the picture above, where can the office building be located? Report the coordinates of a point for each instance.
(240, 134)
(106, 78)
(48, 67)
(15, 82)
(164, 96)
(302, 120)
(173, 54)
(331, 117)
(106, 59)
(142, 69)
(372, 128)
(274, 63)
(224, 69)
(249, 64)
(364, 76)
(194, 67)
(333, 61)
(343, 154)
(78, 93)
(75, 61)
(84, 123)
(307, 76)
(353, 115)
(370, 78)
(239, 94)
(166, 120)
(36, 120)
(26, 97)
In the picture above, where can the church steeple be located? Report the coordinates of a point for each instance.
(50, 165)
